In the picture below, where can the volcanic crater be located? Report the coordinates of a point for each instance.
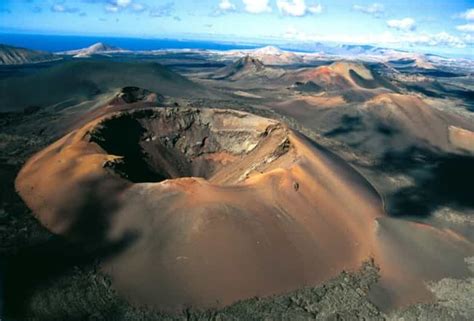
(214, 205)
(159, 144)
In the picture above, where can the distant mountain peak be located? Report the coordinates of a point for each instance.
(100, 46)
(94, 49)
(268, 50)
(247, 66)
(343, 67)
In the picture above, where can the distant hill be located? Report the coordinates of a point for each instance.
(247, 64)
(75, 81)
(268, 55)
(95, 49)
(18, 56)
(240, 68)
(247, 67)
(342, 75)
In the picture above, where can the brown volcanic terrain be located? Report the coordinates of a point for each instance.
(197, 207)
(462, 139)
(73, 82)
(387, 122)
(352, 80)
(247, 68)
(259, 200)
(417, 121)
(215, 206)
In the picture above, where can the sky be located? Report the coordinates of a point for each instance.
(439, 26)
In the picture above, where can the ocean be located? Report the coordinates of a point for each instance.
(55, 43)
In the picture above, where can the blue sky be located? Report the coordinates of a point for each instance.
(439, 25)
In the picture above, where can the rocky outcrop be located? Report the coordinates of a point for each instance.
(131, 95)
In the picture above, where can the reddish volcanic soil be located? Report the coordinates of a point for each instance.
(220, 205)
(416, 119)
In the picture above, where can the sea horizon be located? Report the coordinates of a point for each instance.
(60, 43)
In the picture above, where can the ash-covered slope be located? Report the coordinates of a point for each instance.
(75, 81)
(18, 56)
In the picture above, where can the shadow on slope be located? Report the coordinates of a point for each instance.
(378, 81)
(26, 268)
(440, 179)
(121, 136)
(35, 267)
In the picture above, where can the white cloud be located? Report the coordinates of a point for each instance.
(226, 5)
(114, 6)
(58, 7)
(297, 8)
(468, 14)
(138, 7)
(406, 24)
(469, 39)
(442, 39)
(257, 6)
(375, 9)
(445, 39)
(164, 10)
(466, 28)
(315, 9)
(122, 3)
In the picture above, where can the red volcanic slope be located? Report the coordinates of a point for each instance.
(240, 206)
